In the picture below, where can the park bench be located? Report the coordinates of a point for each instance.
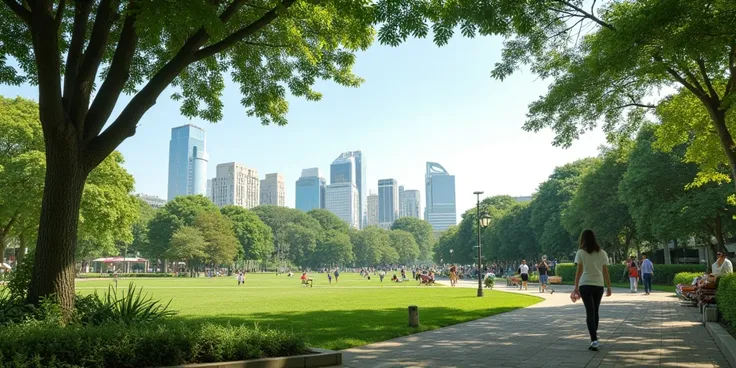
(426, 280)
(555, 280)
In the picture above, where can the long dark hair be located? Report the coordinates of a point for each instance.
(588, 241)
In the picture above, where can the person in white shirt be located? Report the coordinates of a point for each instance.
(524, 272)
(592, 274)
(722, 265)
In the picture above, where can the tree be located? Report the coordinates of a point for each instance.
(221, 245)
(422, 232)
(597, 204)
(140, 227)
(466, 251)
(297, 243)
(253, 234)
(328, 220)
(444, 251)
(72, 49)
(187, 244)
(405, 245)
(283, 222)
(510, 238)
(654, 189)
(333, 249)
(605, 64)
(369, 245)
(551, 201)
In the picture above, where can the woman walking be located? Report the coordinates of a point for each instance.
(592, 274)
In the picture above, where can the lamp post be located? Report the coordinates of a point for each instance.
(483, 221)
(451, 250)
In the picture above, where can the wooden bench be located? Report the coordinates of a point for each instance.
(555, 280)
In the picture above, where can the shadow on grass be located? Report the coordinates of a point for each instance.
(338, 329)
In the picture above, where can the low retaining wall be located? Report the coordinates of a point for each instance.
(320, 358)
(726, 343)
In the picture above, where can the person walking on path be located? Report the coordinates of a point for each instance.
(524, 272)
(337, 274)
(329, 277)
(543, 276)
(647, 272)
(591, 276)
(633, 278)
(241, 278)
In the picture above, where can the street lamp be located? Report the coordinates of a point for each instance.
(451, 250)
(483, 221)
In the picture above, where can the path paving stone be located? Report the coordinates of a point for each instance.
(636, 331)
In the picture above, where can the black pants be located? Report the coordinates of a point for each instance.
(591, 296)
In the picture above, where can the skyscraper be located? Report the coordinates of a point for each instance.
(236, 185)
(310, 190)
(341, 196)
(409, 203)
(273, 191)
(187, 161)
(372, 211)
(388, 202)
(339, 173)
(440, 210)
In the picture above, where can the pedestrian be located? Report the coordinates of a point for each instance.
(591, 276)
(524, 272)
(329, 278)
(647, 272)
(543, 268)
(241, 278)
(337, 274)
(633, 278)
(382, 274)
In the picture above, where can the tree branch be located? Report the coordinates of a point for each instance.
(636, 104)
(566, 30)
(106, 12)
(698, 92)
(113, 85)
(60, 13)
(706, 79)
(244, 32)
(732, 69)
(587, 15)
(19, 10)
(82, 10)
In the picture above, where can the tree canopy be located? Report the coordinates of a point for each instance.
(422, 232)
(254, 235)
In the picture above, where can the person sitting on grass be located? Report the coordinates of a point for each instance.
(306, 281)
(395, 279)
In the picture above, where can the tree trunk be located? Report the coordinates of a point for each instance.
(729, 147)
(21, 252)
(2, 248)
(57, 233)
(719, 234)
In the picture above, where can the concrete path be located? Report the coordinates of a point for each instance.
(635, 330)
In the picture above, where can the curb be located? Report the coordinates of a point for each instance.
(724, 341)
(319, 358)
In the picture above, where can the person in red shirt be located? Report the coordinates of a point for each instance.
(633, 278)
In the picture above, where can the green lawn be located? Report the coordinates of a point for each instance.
(625, 285)
(352, 313)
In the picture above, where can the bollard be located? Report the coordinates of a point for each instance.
(413, 316)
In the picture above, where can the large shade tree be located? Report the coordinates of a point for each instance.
(83, 55)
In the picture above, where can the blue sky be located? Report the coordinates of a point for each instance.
(419, 103)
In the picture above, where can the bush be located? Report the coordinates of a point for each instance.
(663, 274)
(127, 307)
(685, 277)
(726, 298)
(150, 345)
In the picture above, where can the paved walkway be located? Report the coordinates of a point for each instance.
(635, 330)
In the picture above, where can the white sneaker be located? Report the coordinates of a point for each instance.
(594, 346)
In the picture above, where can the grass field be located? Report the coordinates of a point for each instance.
(352, 313)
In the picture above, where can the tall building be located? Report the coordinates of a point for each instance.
(371, 218)
(236, 185)
(409, 203)
(388, 202)
(342, 196)
(342, 200)
(187, 161)
(340, 172)
(273, 191)
(440, 209)
(310, 190)
(152, 200)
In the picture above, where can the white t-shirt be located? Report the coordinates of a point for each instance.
(524, 269)
(592, 266)
(725, 269)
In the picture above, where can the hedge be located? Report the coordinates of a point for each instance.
(686, 277)
(144, 345)
(663, 274)
(127, 275)
(726, 298)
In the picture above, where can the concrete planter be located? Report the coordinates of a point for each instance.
(725, 342)
(319, 358)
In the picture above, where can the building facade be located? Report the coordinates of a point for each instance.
(310, 190)
(342, 172)
(273, 191)
(342, 200)
(236, 185)
(440, 208)
(388, 202)
(152, 200)
(372, 210)
(187, 162)
(409, 203)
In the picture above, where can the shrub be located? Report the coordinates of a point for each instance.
(151, 345)
(127, 307)
(726, 298)
(685, 277)
(20, 278)
(663, 274)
